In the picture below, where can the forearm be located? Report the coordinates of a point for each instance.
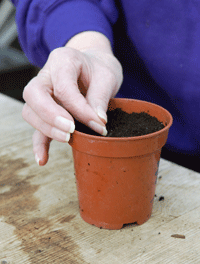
(90, 40)
(58, 22)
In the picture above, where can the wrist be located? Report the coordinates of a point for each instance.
(90, 40)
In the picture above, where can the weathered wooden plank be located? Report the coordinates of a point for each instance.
(39, 212)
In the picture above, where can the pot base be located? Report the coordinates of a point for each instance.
(115, 226)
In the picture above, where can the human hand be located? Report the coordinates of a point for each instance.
(74, 83)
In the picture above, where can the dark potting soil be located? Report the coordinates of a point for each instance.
(122, 124)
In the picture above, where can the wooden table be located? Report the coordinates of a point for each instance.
(39, 212)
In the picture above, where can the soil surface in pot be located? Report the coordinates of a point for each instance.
(122, 124)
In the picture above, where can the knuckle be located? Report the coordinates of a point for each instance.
(117, 70)
(60, 92)
(120, 74)
(75, 102)
(115, 78)
(57, 56)
(111, 77)
(55, 53)
(25, 92)
(28, 89)
(63, 53)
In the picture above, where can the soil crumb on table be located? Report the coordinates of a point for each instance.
(161, 198)
(122, 124)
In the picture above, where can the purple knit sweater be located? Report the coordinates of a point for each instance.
(157, 42)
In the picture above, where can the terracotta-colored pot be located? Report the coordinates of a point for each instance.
(116, 177)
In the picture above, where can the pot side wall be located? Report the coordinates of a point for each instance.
(117, 191)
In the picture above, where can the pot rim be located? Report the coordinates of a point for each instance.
(154, 134)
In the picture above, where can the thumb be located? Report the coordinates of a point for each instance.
(41, 147)
(101, 111)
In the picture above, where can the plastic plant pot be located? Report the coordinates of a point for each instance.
(116, 176)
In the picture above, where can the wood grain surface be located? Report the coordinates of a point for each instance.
(39, 211)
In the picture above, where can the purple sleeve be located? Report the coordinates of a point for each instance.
(49, 24)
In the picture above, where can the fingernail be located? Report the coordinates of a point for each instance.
(37, 159)
(65, 124)
(98, 128)
(101, 113)
(60, 135)
(68, 137)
